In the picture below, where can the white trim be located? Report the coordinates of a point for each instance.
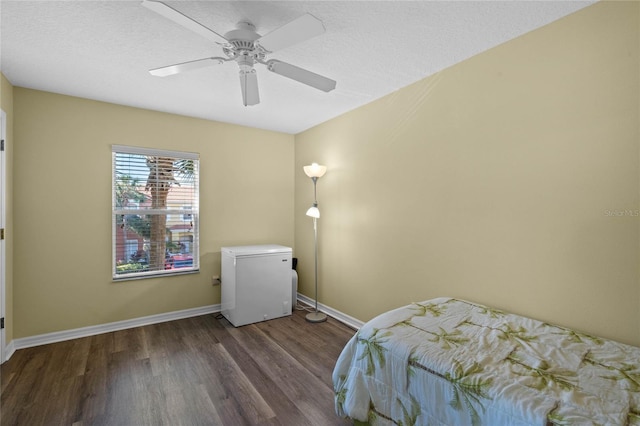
(342, 317)
(9, 350)
(191, 196)
(61, 336)
(152, 152)
(3, 243)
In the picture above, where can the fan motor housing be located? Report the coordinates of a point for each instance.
(243, 36)
(242, 47)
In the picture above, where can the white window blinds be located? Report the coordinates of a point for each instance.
(154, 212)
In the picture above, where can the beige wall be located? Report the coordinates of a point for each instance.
(6, 103)
(62, 204)
(498, 180)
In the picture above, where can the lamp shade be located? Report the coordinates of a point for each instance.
(315, 170)
(313, 212)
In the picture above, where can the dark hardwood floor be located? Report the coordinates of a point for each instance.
(195, 371)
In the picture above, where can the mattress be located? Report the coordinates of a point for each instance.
(451, 362)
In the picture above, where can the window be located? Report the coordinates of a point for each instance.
(155, 212)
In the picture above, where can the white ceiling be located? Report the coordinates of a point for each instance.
(102, 50)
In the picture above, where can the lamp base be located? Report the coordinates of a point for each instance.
(316, 317)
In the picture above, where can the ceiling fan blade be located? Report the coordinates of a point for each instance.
(303, 76)
(300, 29)
(249, 85)
(182, 19)
(185, 66)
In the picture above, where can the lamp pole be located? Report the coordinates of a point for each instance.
(315, 316)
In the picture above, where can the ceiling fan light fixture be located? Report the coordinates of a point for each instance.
(245, 62)
(246, 47)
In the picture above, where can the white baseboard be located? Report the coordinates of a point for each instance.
(61, 336)
(8, 351)
(342, 317)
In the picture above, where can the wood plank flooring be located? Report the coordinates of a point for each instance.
(195, 371)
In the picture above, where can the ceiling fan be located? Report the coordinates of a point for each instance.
(247, 48)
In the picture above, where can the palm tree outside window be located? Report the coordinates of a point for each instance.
(155, 212)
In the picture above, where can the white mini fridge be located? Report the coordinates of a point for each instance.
(256, 283)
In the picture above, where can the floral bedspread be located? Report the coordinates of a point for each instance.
(451, 362)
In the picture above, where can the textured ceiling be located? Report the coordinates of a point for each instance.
(103, 50)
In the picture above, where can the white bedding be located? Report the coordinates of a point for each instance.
(452, 362)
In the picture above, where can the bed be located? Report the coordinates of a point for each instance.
(452, 362)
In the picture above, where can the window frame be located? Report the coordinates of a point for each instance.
(167, 212)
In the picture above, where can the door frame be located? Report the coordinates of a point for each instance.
(3, 215)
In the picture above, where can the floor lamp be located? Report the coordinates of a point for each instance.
(315, 171)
